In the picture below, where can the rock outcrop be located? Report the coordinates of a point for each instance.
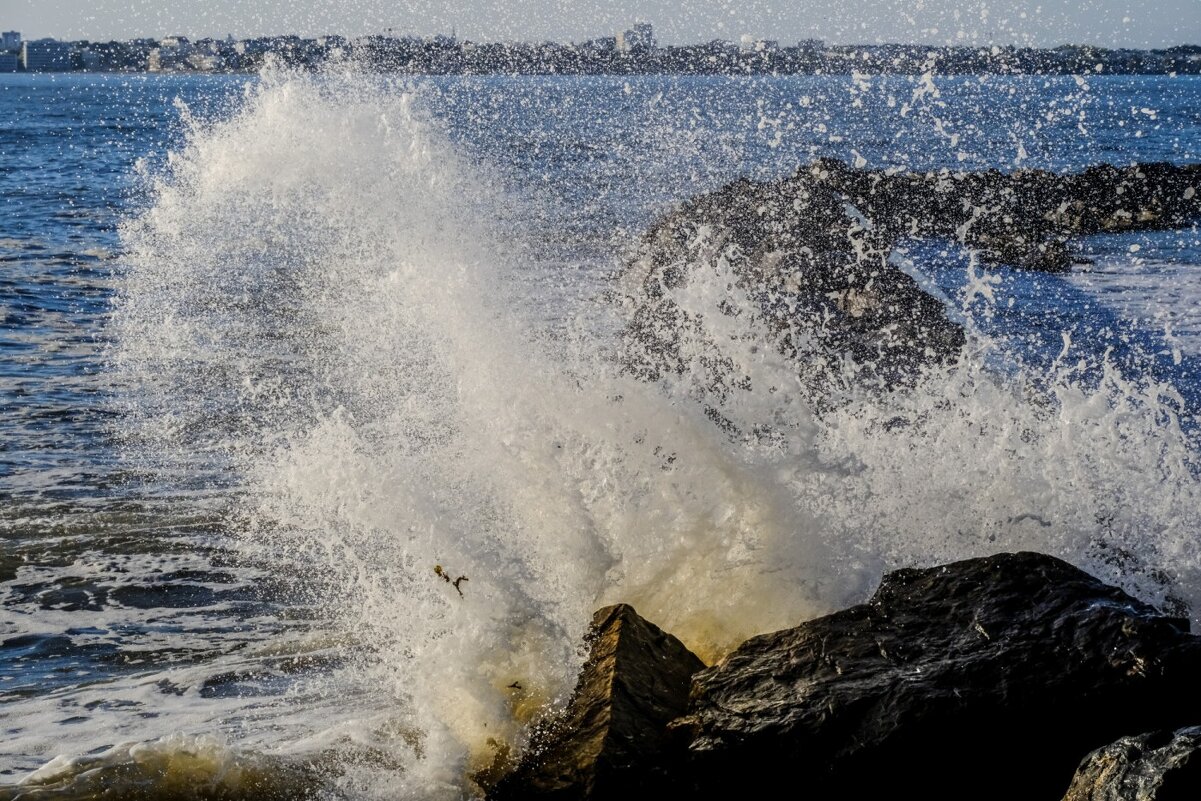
(612, 740)
(985, 679)
(1025, 218)
(813, 272)
(810, 256)
(1163, 766)
(989, 679)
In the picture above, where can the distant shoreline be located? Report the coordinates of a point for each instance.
(632, 53)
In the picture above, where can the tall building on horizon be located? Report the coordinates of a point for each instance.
(10, 40)
(640, 37)
(47, 55)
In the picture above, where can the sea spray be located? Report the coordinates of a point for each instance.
(310, 302)
(319, 311)
(173, 768)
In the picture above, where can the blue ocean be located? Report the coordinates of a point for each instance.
(275, 347)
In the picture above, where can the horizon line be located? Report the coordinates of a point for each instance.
(389, 33)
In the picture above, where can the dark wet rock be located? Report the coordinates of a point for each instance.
(985, 679)
(1025, 218)
(612, 739)
(815, 277)
(810, 256)
(1163, 766)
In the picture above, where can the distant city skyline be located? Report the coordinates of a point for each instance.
(1108, 23)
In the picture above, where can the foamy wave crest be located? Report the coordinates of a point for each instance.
(174, 768)
(319, 310)
(316, 300)
(1080, 458)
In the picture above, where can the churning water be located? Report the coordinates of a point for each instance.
(353, 339)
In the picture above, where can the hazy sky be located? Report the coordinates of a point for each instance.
(1036, 22)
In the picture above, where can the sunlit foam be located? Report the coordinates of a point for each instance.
(317, 309)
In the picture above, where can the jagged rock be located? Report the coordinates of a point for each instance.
(1163, 766)
(984, 679)
(818, 278)
(812, 253)
(612, 740)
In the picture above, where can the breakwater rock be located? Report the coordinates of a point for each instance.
(1161, 766)
(1024, 218)
(990, 678)
(613, 739)
(810, 256)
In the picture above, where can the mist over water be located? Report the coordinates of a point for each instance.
(385, 360)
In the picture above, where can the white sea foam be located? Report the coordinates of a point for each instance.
(318, 307)
(1159, 294)
(174, 768)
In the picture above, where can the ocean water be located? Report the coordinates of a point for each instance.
(275, 348)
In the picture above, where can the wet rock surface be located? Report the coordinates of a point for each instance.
(988, 678)
(810, 253)
(816, 277)
(1025, 218)
(612, 739)
(1162, 766)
